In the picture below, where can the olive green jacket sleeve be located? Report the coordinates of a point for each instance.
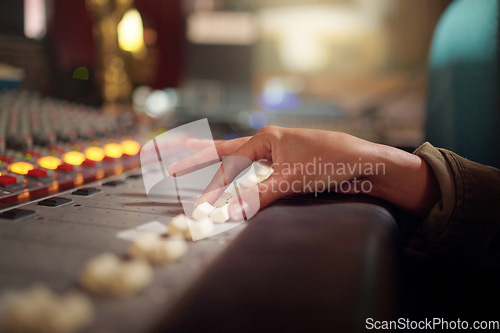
(467, 218)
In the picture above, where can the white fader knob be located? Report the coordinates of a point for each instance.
(156, 249)
(178, 225)
(39, 310)
(202, 210)
(108, 275)
(220, 214)
(200, 229)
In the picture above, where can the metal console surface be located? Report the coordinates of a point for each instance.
(301, 263)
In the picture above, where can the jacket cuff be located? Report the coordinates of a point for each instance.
(467, 218)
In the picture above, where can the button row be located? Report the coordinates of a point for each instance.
(18, 213)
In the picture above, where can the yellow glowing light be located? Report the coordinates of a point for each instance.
(74, 157)
(113, 150)
(49, 162)
(130, 32)
(94, 153)
(130, 147)
(21, 168)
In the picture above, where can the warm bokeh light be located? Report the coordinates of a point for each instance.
(130, 32)
(21, 168)
(49, 162)
(74, 157)
(131, 147)
(94, 153)
(35, 17)
(113, 150)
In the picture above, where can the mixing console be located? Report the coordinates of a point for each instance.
(86, 247)
(48, 145)
(71, 190)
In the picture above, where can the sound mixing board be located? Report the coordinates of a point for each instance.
(70, 188)
(76, 223)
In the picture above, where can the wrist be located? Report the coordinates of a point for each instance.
(408, 182)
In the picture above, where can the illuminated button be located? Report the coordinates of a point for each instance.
(89, 164)
(94, 153)
(16, 213)
(37, 173)
(130, 147)
(113, 150)
(7, 180)
(86, 191)
(74, 158)
(65, 167)
(54, 201)
(49, 162)
(21, 168)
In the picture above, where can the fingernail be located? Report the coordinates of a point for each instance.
(236, 209)
(169, 169)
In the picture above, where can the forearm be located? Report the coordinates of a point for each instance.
(408, 182)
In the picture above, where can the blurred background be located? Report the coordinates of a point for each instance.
(358, 66)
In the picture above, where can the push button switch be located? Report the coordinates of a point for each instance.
(65, 167)
(37, 173)
(16, 213)
(6, 180)
(86, 191)
(54, 201)
(114, 183)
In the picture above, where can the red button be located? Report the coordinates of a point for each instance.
(65, 167)
(7, 180)
(6, 159)
(108, 159)
(37, 173)
(125, 156)
(88, 163)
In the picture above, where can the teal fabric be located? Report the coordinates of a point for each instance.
(463, 103)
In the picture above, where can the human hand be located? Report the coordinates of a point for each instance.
(312, 161)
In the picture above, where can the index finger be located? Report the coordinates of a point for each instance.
(254, 149)
(205, 156)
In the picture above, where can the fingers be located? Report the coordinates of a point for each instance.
(200, 160)
(254, 149)
(200, 144)
(250, 202)
(206, 154)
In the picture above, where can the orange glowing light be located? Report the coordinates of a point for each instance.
(94, 153)
(113, 150)
(54, 188)
(74, 157)
(131, 147)
(118, 169)
(21, 168)
(78, 180)
(49, 162)
(100, 174)
(23, 197)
